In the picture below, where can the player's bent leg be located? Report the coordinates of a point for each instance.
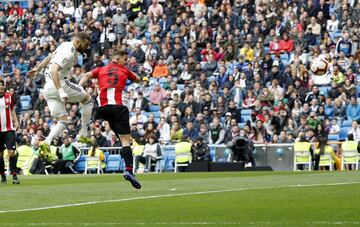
(57, 129)
(13, 168)
(87, 106)
(126, 154)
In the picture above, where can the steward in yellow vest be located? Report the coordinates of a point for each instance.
(184, 151)
(322, 149)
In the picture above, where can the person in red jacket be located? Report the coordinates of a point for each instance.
(17, 8)
(286, 44)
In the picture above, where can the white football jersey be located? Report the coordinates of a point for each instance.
(65, 56)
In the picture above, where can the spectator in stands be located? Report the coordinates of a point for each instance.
(334, 128)
(157, 94)
(355, 130)
(176, 132)
(137, 133)
(201, 150)
(40, 103)
(161, 70)
(151, 153)
(164, 130)
(286, 44)
(138, 118)
(100, 139)
(340, 109)
(216, 132)
(353, 110)
(190, 132)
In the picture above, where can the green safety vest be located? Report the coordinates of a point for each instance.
(67, 152)
(349, 146)
(137, 5)
(183, 151)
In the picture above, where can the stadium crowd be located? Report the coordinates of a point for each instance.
(202, 63)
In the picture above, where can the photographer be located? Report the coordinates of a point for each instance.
(242, 149)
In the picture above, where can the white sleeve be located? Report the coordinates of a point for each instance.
(62, 57)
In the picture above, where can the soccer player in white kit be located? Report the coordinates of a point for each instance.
(58, 89)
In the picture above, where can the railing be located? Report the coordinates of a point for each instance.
(278, 156)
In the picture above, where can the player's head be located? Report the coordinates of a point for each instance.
(2, 87)
(82, 42)
(119, 56)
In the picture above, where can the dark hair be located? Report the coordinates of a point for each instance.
(350, 137)
(83, 36)
(2, 81)
(322, 145)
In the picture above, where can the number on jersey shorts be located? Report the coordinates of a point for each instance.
(75, 92)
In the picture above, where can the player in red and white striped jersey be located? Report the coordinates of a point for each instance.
(112, 81)
(8, 123)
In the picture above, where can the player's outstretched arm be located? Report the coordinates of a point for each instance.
(85, 78)
(38, 68)
(54, 71)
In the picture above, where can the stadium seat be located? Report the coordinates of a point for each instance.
(284, 57)
(350, 157)
(154, 108)
(25, 101)
(245, 118)
(346, 123)
(212, 153)
(324, 90)
(113, 163)
(302, 157)
(246, 112)
(80, 165)
(163, 80)
(342, 134)
(333, 137)
(337, 35)
(156, 114)
(241, 125)
(168, 157)
(147, 114)
(93, 163)
(326, 160)
(137, 150)
(358, 91)
(180, 86)
(222, 119)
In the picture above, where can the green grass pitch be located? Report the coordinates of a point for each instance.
(185, 199)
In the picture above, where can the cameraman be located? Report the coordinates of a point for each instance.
(242, 149)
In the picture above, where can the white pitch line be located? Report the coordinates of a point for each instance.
(172, 195)
(181, 223)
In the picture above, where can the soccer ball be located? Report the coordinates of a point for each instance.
(319, 67)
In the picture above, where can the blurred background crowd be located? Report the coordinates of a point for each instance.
(208, 68)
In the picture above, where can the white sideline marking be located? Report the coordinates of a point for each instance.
(172, 195)
(181, 223)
